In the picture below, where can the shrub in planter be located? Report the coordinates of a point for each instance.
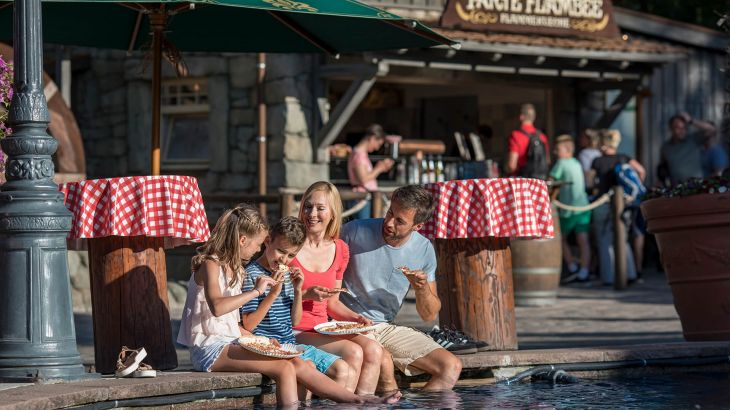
(691, 222)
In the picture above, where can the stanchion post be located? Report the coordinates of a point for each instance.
(620, 280)
(287, 204)
(377, 204)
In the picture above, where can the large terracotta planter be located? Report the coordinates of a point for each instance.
(693, 234)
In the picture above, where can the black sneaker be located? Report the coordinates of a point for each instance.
(481, 346)
(450, 342)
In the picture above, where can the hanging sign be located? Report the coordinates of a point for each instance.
(584, 18)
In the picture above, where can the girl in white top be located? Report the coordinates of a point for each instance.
(210, 322)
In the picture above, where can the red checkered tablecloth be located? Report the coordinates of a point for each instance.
(167, 206)
(500, 207)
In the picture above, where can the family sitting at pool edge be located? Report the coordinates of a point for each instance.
(347, 273)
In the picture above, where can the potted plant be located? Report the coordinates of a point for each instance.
(691, 222)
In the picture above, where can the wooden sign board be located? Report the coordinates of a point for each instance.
(582, 18)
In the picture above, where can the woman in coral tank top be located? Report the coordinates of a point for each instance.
(323, 260)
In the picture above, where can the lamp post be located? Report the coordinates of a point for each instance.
(37, 336)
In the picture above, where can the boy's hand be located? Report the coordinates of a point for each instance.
(278, 278)
(297, 279)
(318, 293)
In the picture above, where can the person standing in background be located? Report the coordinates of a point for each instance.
(681, 155)
(361, 172)
(714, 156)
(589, 143)
(529, 152)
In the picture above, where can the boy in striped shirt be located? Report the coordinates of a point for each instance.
(274, 313)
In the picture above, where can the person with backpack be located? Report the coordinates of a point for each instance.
(529, 151)
(613, 169)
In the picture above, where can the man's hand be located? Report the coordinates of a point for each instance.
(417, 278)
(318, 293)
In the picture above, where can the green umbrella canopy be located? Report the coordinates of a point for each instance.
(332, 26)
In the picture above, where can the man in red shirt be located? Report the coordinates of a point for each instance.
(519, 142)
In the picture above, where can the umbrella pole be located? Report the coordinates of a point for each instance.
(157, 22)
(261, 73)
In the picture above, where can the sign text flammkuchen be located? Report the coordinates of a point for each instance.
(556, 17)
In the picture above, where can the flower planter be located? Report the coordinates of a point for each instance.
(693, 234)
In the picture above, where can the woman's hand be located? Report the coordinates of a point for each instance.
(297, 279)
(318, 293)
(384, 165)
(362, 319)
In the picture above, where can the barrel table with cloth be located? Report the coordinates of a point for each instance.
(471, 230)
(128, 222)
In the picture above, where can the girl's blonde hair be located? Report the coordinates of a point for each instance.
(335, 204)
(243, 220)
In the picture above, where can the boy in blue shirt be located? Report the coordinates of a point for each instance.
(274, 313)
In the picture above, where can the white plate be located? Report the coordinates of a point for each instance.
(285, 351)
(324, 328)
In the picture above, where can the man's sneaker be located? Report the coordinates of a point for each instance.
(481, 346)
(451, 342)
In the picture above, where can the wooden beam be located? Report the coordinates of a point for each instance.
(613, 111)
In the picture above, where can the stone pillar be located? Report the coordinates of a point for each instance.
(37, 336)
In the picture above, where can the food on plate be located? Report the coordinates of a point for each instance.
(338, 327)
(263, 345)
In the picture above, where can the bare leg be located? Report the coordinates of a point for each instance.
(585, 249)
(349, 351)
(236, 359)
(443, 367)
(639, 251)
(372, 355)
(302, 391)
(340, 372)
(387, 383)
(323, 386)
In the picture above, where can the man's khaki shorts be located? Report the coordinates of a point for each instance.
(405, 345)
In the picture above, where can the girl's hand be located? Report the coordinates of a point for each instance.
(297, 279)
(264, 282)
(318, 293)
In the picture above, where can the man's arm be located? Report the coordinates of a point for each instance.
(511, 166)
(428, 303)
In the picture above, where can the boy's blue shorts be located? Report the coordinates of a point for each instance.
(321, 359)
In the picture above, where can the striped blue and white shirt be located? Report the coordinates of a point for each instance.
(277, 322)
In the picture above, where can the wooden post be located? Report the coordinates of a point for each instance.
(287, 204)
(377, 204)
(474, 280)
(129, 300)
(620, 280)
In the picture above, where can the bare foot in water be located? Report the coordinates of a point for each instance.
(391, 398)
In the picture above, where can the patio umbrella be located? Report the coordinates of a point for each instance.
(279, 26)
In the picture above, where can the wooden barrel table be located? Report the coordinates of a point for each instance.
(474, 284)
(536, 265)
(129, 300)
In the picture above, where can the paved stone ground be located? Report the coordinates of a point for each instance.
(585, 315)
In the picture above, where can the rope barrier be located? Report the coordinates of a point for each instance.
(357, 207)
(593, 205)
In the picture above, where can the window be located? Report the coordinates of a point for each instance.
(185, 133)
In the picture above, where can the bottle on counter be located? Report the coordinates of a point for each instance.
(440, 177)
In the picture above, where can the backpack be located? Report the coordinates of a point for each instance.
(536, 165)
(629, 180)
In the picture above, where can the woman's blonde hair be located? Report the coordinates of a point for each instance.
(243, 220)
(335, 203)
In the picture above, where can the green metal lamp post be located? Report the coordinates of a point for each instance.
(37, 336)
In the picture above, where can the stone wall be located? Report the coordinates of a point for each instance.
(112, 99)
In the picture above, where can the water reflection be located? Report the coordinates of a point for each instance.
(674, 391)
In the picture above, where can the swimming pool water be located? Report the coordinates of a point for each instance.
(675, 391)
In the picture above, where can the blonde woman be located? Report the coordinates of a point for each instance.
(210, 321)
(323, 260)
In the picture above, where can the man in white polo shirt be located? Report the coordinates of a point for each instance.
(378, 249)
